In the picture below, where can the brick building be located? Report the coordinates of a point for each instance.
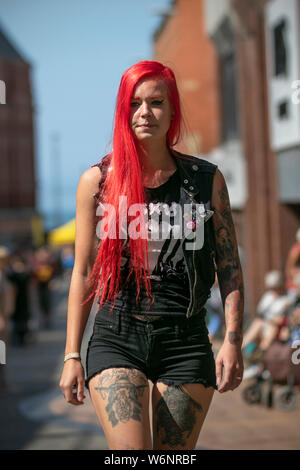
(235, 61)
(17, 166)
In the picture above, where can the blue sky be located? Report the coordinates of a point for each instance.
(78, 50)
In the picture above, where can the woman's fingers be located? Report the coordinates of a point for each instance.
(80, 390)
(239, 376)
(231, 378)
(72, 383)
(71, 397)
(74, 394)
(229, 368)
(236, 377)
(227, 379)
(219, 366)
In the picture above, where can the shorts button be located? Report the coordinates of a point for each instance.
(150, 327)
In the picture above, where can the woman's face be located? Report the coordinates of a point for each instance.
(151, 110)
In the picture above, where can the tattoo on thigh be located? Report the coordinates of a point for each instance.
(122, 388)
(176, 416)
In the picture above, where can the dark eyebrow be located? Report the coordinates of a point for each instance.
(151, 97)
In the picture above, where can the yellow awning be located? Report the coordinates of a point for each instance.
(63, 235)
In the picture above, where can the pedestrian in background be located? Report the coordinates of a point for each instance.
(7, 299)
(272, 312)
(43, 272)
(291, 329)
(292, 266)
(67, 257)
(19, 274)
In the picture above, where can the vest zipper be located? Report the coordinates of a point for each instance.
(191, 310)
(213, 253)
(195, 271)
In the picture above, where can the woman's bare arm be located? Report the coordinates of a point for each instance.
(231, 284)
(85, 253)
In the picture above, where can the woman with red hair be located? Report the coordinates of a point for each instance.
(148, 250)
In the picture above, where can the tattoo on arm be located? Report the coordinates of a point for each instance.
(234, 337)
(229, 269)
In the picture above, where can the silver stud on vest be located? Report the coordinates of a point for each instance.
(195, 167)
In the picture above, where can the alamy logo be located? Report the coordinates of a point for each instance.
(296, 94)
(296, 354)
(2, 92)
(160, 222)
(2, 352)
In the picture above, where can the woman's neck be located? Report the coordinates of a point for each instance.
(156, 158)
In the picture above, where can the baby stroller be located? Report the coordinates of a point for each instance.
(278, 378)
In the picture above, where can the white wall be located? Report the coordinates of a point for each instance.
(214, 13)
(284, 132)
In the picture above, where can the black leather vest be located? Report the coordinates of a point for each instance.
(196, 188)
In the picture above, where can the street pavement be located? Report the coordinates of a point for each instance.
(35, 416)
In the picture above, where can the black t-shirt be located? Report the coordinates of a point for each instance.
(167, 269)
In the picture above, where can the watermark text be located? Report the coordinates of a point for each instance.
(296, 94)
(296, 354)
(157, 222)
(2, 352)
(2, 92)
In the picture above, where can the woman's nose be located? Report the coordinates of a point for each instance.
(145, 111)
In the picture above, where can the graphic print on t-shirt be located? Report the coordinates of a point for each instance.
(165, 253)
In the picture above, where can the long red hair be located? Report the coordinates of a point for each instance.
(125, 178)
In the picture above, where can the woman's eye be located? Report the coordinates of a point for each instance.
(135, 104)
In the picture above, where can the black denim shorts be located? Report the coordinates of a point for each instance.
(172, 350)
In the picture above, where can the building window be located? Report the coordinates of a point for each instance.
(280, 49)
(229, 105)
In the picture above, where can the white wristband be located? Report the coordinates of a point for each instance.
(71, 356)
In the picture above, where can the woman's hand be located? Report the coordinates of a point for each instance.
(229, 367)
(73, 377)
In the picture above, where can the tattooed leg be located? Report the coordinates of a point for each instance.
(178, 414)
(122, 389)
(121, 399)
